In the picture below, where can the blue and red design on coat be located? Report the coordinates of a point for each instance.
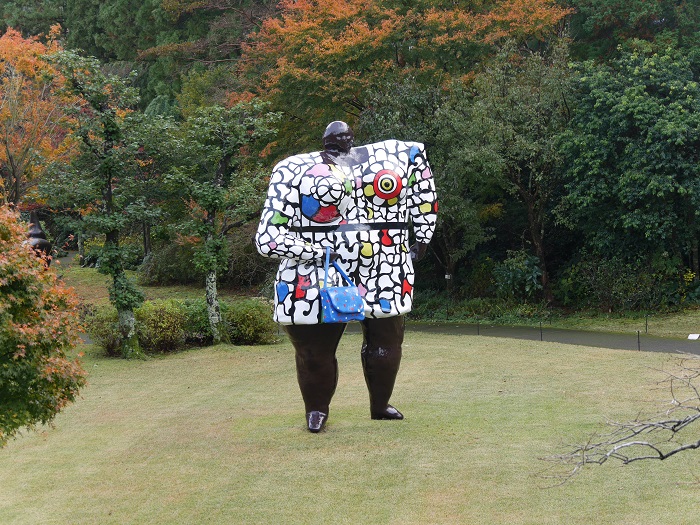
(363, 211)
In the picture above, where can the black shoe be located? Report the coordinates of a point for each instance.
(388, 413)
(316, 420)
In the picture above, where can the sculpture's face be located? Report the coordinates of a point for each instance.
(338, 138)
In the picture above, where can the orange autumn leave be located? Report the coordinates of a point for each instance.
(319, 57)
(39, 325)
(33, 127)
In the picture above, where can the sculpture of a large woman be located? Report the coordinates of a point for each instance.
(360, 202)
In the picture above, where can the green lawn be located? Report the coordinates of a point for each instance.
(217, 436)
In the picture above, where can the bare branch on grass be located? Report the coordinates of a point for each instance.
(658, 437)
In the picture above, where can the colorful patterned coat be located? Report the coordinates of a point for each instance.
(362, 210)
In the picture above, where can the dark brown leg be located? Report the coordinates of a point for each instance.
(381, 357)
(317, 367)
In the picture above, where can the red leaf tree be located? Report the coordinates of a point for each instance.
(319, 58)
(33, 128)
(38, 327)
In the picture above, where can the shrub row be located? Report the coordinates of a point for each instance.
(170, 325)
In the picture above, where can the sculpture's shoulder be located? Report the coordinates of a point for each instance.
(296, 161)
(395, 146)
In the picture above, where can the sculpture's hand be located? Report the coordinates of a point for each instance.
(418, 250)
(333, 256)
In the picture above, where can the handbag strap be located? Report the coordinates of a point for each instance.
(337, 267)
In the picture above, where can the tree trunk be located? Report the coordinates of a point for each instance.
(694, 259)
(130, 343)
(119, 297)
(146, 239)
(213, 311)
(536, 222)
(450, 275)
(81, 248)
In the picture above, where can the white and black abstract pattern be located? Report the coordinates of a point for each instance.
(362, 208)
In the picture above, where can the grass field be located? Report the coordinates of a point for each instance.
(216, 436)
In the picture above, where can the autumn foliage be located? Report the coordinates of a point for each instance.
(317, 60)
(32, 123)
(38, 326)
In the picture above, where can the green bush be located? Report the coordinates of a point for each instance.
(169, 325)
(249, 322)
(518, 277)
(439, 306)
(160, 325)
(429, 304)
(171, 263)
(197, 327)
(103, 329)
(479, 278)
(246, 267)
(612, 284)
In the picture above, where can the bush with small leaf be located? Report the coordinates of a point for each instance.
(102, 326)
(160, 325)
(249, 322)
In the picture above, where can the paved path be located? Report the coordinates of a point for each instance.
(630, 341)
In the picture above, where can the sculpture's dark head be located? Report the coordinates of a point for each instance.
(338, 138)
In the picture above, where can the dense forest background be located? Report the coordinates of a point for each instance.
(564, 136)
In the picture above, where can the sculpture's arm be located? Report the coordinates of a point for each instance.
(274, 237)
(422, 201)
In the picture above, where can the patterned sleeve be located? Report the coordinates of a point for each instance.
(274, 237)
(422, 198)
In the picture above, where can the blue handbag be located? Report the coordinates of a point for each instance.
(340, 304)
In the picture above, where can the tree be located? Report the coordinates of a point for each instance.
(599, 27)
(407, 110)
(320, 58)
(98, 180)
(657, 437)
(32, 17)
(633, 157)
(213, 176)
(521, 106)
(38, 326)
(33, 126)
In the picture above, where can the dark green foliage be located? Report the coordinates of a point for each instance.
(521, 106)
(246, 267)
(161, 326)
(517, 278)
(249, 322)
(600, 26)
(170, 264)
(408, 110)
(31, 17)
(617, 284)
(479, 279)
(633, 178)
